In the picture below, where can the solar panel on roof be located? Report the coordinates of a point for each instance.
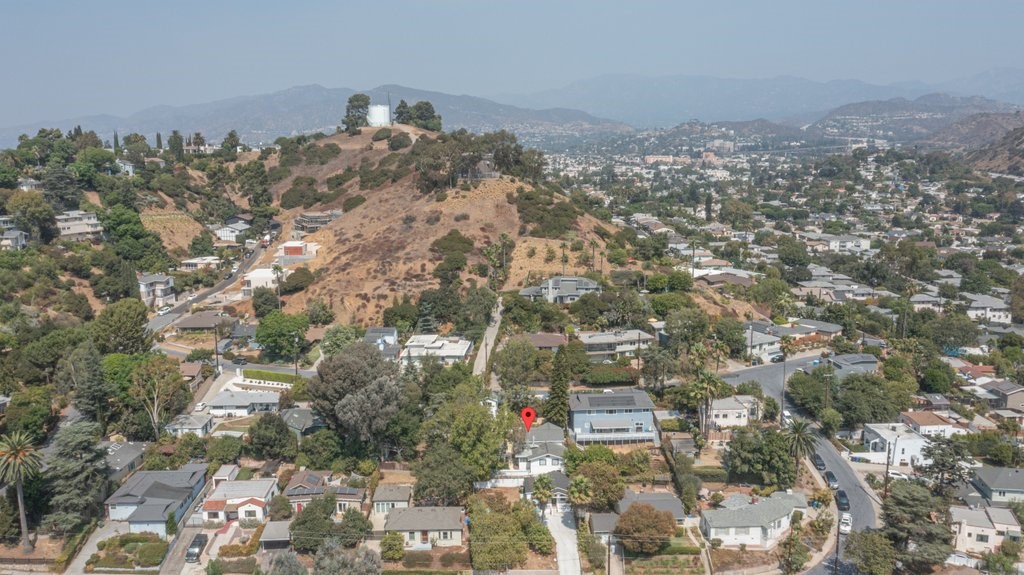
(612, 401)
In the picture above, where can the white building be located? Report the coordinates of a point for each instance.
(240, 500)
(447, 349)
(735, 411)
(79, 226)
(755, 523)
(231, 403)
(762, 344)
(424, 528)
(127, 168)
(988, 309)
(262, 277)
(982, 530)
(903, 445)
(201, 263)
(231, 233)
(156, 290)
(612, 345)
(931, 424)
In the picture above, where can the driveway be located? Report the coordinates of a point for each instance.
(490, 336)
(108, 530)
(175, 561)
(563, 529)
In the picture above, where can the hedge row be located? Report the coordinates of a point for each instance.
(272, 376)
(679, 550)
(711, 474)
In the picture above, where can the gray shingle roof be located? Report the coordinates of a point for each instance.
(559, 481)
(1004, 478)
(424, 519)
(392, 493)
(630, 399)
(759, 514)
(661, 501)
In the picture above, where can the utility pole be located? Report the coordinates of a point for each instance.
(216, 355)
(889, 449)
(296, 355)
(835, 565)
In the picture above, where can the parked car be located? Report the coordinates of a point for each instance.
(819, 463)
(846, 523)
(777, 358)
(239, 361)
(228, 275)
(195, 549)
(200, 406)
(842, 500)
(893, 474)
(831, 480)
(164, 310)
(192, 296)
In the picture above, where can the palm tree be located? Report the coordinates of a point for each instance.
(800, 437)
(277, 275)
(703, 390)
(19, 461)
(788, 348)
(579, 493)
(543, 491)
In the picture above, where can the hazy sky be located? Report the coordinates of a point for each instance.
(72, 58)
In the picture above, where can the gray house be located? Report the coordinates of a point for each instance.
(147, 497)
(850, 363)
(562, 290)
(560, 488)
(620, 417)
(1000, 486)
(123, 458)
(661, 501)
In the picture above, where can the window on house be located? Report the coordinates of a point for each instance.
(742, 530)
(412, 536)
(213, 515)
(250, 514)
(981, 538)
(446, 535)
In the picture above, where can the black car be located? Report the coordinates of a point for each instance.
(239, 361)
(228, 275)
(842, 501)
(819, 463)
(195, 549)
(777, 358)
(832, 480)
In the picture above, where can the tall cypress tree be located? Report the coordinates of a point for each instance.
(556, 409)
(117, 144)
(159, 141)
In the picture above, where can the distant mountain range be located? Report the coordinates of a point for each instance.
(648, 102)
(314, 108)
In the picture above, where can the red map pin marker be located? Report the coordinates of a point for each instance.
(528, 414)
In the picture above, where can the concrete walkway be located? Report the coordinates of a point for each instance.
(563, 529)
(108, 530)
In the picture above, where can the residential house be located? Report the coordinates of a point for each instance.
(200, 263)
(559, 489)
(541, 458)
(262, 278)
(148, 497)
(562, 290)
(156, 290)
(249, 499)
(932, 424)
(602, 525)
(226, 472)
(934, 402)
(348, 498)
(719, 281)
(79, 226)
(547, 341)
(999, 486)
(762, 344)
(448, 350)
(1007, 395)
(608, 346)
(388, 497)
(29, 184)
(982, 530)
(200, 424)
(987, 309)
(13, 240)
(207, 320)
(735, 411)
(230, 403)
(847, 364)
(304, 486)
(127, 168)
(123, 458)
(191, 372)
(231, 232)
(302, 421)
(276, 535)
(826, 330)
(620, 417)
(752, 522)
(545, 433)
(423, 528)
(386, 340)
(310, 222)
(897, 441)
(660, 500)
(923, 301)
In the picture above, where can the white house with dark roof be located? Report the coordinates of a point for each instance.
(982, 530)
(541, 458)
(156, 290)
(660, 500)
(230, 233)
(621, 417)
(611, 345)
(735, 411)
(751, 522)
(389, 497)
(559, 491)
(200, 424)
(147, 497)
(423, 528)
(561, 290)
(999, 486)
(987, 309)
(249, 499)
(230, 403)
(848, 364)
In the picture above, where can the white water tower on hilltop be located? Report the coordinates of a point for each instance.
(379, 116)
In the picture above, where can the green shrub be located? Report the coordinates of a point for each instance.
(381, 134)
(115, 561)
(711, 474)
(392, 546)
(417, 559)
(610, 375)
(246, 565)
(452, 243)
(249, 548)
(151, 554)
(352, 203)
(462, 217)
(320, 155)
(454, 558)
(399, 141)
(301, 193)
(272, 376)
(278, 174)
(338, 181)
(131, 547)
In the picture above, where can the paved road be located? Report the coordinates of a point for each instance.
(177, 312)
(563, 528)
(864, 514)
(490, 337)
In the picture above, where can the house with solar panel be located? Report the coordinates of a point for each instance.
(625, 416)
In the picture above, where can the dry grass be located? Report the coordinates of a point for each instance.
(396, 477)
(176, 228)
